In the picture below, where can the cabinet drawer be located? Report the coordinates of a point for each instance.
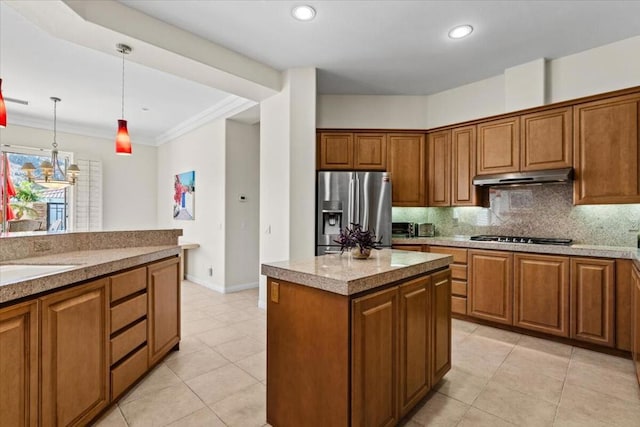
(128, 372)
(459, 305)
(128, 283)
(128, 312)
(459, 255)
(458, 271)
(459, 287)
(127, 341)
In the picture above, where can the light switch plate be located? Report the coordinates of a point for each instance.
(275, 292)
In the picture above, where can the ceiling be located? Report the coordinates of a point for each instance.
(359, 47)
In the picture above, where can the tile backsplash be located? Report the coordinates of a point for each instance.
(537, 210)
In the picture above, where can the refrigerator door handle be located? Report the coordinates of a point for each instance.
(351, 202)
(356, 217)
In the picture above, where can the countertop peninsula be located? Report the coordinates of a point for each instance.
(342, 274)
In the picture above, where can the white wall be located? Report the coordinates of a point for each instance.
(606, 68)
(287, 171)
(129, 182)
(242, 218)
(203, 151)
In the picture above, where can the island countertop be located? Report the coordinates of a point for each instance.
(345, 275)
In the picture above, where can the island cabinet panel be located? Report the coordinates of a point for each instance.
(370, 151)
(415, 345)
(635, 321)
(335, 151)
(439, 168)
(375, 359)
(607, 151)
(592, 300)
(163, 296)
(307, 356)
(407, 161)
(19, 365)
(499, 146)
(75, 356)
(541, 293)
(489, 294)
(441, 326)
(624, 304)
(463, 167)
(547, 140)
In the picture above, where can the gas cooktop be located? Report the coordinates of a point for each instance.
(522, 239)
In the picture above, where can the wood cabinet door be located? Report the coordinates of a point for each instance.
(163, 311)
(490, 283)
(19, 365)
(541, 293)
(370, 151)
(439, 155)
(336, 151)
(546, 140)
(415, 344)
(407, 159)
(499, 146)
(463, 167)
(624, 304)
(75, 356)
(374, 386)
(592, 300)
(606, 151)
(635, 353)
(441, 325)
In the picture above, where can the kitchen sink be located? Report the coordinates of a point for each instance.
(18, 272)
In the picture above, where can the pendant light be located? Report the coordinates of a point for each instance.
(52, 174)
(3, 109)
(123, 142)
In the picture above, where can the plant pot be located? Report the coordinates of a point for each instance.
(360, 254)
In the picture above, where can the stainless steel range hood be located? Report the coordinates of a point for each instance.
(523, 178)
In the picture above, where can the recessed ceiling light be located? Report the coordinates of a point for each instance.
(460, 31)
(303, 13)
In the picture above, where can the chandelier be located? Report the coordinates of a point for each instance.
(52, 175)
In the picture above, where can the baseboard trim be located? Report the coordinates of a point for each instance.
(221, 288)
(240, 287)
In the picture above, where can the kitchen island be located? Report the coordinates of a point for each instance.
(83, 316)
(355, 342)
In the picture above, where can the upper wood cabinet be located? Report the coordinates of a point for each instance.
(335, 151)
(463, 167)
(541, 293)
(75, 356)
(606, 151)
(19, 365)
(592, 300)
(439, 168)
(546, 140)
(370, 151)
(499, 146)
(490, 286)
(407, 160)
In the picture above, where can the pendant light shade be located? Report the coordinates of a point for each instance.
(3, 109)
(123, 142)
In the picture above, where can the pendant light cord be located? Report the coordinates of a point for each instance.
(123, 50)
(55, 128)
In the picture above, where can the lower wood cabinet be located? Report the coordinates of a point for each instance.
(592, 300)
(19, 365)
(541, 293)
(490, 295)
(635, 320)
(392, 346)
(163, 281)
(75, 357)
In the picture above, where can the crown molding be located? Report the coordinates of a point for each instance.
(226, 108)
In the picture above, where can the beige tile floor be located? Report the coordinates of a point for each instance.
(498, 378)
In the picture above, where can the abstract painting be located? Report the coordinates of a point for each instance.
(184, 193)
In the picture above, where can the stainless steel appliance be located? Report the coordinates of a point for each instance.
(403, 229)
(426, 230)
(520, 239)
(346, 198)
(522, 178)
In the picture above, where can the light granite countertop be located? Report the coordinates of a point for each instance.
(82, 265)
(344, 275)
(573, 250)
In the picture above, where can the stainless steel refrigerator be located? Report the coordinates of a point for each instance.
(346, 198)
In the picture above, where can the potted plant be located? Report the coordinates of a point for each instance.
(26, 195)
(361, 240)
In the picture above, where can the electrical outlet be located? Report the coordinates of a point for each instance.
(634, 226)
